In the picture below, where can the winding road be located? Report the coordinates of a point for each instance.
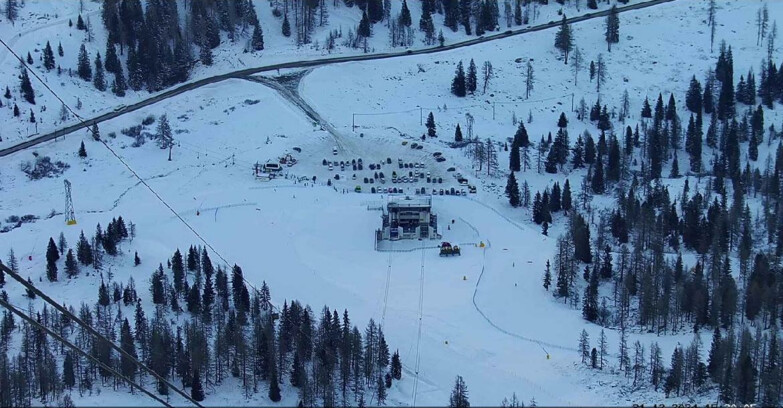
(307, 64)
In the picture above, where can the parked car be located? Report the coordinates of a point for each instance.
(440, 159)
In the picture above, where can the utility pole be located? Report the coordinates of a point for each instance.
(353, 121)
(70, 217)
(421, 116)
(493, 110)
(572, 101)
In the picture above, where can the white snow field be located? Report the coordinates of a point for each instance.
(483, 315)
(315, 244)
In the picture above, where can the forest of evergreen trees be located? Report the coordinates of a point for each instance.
(206, 327)
(727, 217)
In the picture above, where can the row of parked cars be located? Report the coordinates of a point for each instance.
(397, 190)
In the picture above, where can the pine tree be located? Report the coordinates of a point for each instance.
(257, 40)
(693, 99)
(584, 345)
(458, 134)
(380, 391)
(69, 379)
(646, 109)
(459, 394)
(118, 85)
(84, 252)
(136, 259)
(396, 366)
(471, 80)
(458, 86)
(71, 266)
(158, 287)
(514, 159)
(431, 132)
(99, 80)
(52, 255)
(612, 27)
(274, 387)
(83, 69)
(564, 40)
(547, 276)
(48, 57)
(405, 14)
(27, 90)
(512, 191)
(602, 345)
(60, 50)
(597, 182)
(286, 26)
(521, 138)
(197, 392)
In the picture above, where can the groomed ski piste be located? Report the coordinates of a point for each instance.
(483, 315)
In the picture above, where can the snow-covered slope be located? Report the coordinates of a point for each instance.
(483, 315)
(41, 21)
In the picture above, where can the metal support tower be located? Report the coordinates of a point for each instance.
(70, 217)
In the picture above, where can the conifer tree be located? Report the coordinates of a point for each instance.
(118, 85)
(471, 80)
(274, 387)
(512, 191)
(612, 27)
(547, 276)
(693, 99)
(83, 68)
(514, 159)
(71, 266)
(178, 271)
(564, 40)
(597, 182)
(521, 138)
(82, 150)
(112, 62)
(69, 378)
(458, 134)
(48, 57)
(431, 132)
(458, 86)
(646, 109)
(405, 14)
(84, 250)
(27, 90)
(99, 80)
(286, 26)
(52, 255)
(257, 40)
(197, 392)
(459, 394)
(396, 366)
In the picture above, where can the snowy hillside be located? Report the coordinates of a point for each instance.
(40, 22)
(309, 235)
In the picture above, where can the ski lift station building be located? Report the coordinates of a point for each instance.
(408, 217)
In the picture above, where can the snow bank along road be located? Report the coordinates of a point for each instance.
(305, 64)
